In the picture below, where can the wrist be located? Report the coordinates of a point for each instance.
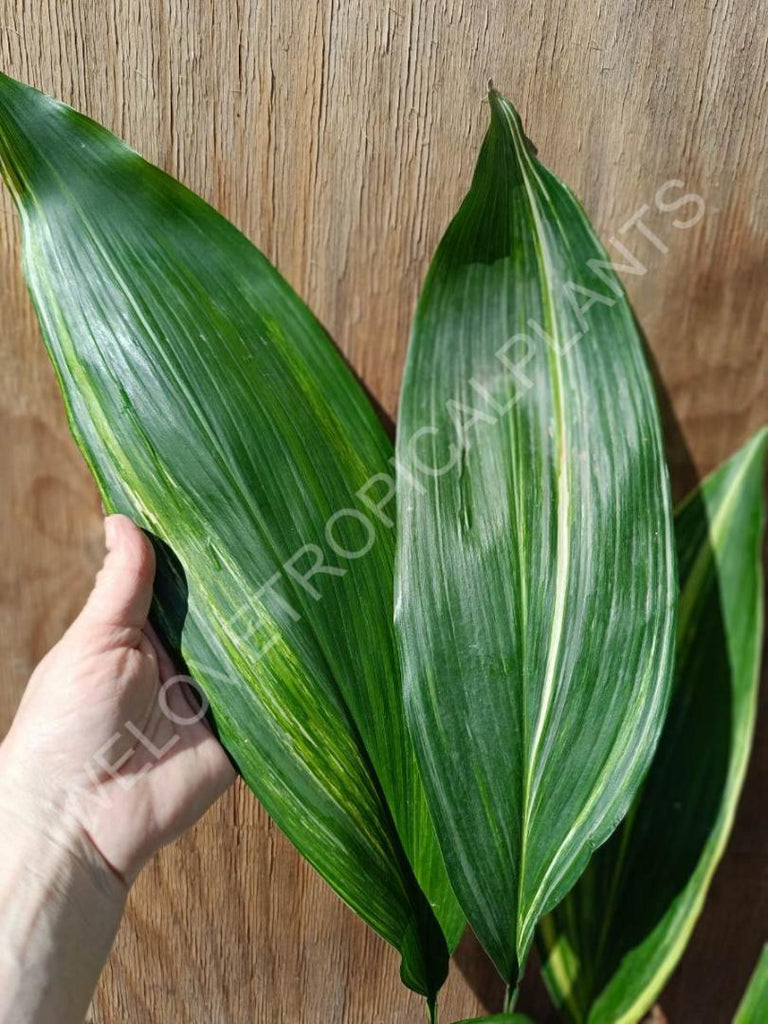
(60, 906)
(44, 837)
(38, 813)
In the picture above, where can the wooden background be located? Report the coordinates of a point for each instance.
(340, 137)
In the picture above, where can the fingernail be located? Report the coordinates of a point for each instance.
(109, 531)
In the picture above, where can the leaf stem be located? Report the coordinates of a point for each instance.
(510, 998)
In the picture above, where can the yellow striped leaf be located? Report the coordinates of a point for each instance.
(213, 409)
(612, 944)
(535, 587)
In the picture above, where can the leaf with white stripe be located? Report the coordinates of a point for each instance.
(616, 938)
(212, 408)
(535, 590)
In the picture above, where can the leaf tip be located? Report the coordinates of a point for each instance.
(504, 114)
(22, 115)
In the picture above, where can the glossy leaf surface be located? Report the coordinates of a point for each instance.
(213, 409)
(535, 592)
(617, 937)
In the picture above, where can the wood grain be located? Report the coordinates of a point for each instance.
(340, 137)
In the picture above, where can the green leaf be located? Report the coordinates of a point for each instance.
(753, 1008)
(617, 937)
(535, 584)
(212, 408)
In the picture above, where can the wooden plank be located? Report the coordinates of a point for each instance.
(340, 137)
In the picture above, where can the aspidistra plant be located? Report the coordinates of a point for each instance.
(475, 771)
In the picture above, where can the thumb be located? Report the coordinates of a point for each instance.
(122, 593)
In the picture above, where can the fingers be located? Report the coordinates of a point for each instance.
(122, 593)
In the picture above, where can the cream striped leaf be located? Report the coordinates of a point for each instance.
(614, 941)
(212, 407)
(535, 590)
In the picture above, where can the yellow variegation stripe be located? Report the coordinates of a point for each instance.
(535, 595)
(615, 980)
(212, 407)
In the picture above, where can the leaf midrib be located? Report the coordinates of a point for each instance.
(563, 510)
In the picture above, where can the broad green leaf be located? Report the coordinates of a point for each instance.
(753, 1008)
(535, 584)
(617, 937)
(212, 408)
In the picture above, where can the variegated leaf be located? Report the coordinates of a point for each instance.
(536, 588)
(614, 941)
(212, 408)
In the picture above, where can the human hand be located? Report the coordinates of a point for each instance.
(106, 736)
(107, 760)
